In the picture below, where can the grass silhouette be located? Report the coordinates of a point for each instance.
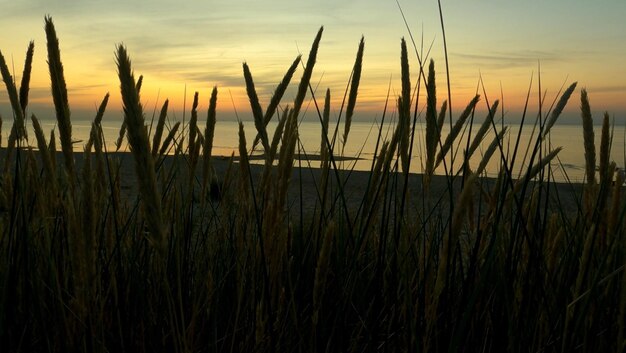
(198, 258)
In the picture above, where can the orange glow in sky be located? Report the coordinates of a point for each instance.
(195, 45)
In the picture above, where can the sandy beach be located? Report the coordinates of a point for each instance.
(306, 178)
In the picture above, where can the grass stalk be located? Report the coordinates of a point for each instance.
(209, 132)
(588, 137)
(158, 132)
(354, 89)
(404, 107)
(456, 129)
(13, 98)
(138, 139)
(432, 138)
(59, 96)
(257, 112)
(25, 85)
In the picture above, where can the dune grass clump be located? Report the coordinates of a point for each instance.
(187, 253)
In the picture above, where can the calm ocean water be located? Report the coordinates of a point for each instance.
(362, 142)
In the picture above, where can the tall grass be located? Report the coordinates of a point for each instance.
(193, 254)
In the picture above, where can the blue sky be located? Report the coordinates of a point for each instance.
(199, 44)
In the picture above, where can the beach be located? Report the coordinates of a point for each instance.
(304, 186)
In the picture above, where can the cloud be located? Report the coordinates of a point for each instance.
(608, 89)
(75, 90)
(515, 59)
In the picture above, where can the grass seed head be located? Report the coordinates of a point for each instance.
(59, 96)
(140, 146)
(588, 137)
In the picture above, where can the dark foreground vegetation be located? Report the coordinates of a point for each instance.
(196, 260)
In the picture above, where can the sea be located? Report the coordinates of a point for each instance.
(360, 146)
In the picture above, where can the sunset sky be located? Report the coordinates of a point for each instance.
(203, 43)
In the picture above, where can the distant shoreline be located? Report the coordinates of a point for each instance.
(363, 138)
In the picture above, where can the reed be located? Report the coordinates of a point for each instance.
(25, 85)
(278, 132)
(138, 139)
(97, 121)
(244, 167)
(193, 144)
(605, 150)
(588, 137)
(306, 75)
(278, 95)
(121, 135)
(456, 129)
(482, 131)
(193, 124)
(441, 119)
(171, 135)
(158, 132)
(59, 96)
(537, 168)
(13, 98)
(52, 148)
(404, 109)
(209, 132)
(324, 150)
(257, 112)
(558, 109)
(88, 208)
(432, 138)
(354, 90)
(497, 140)
(96, 139)
(280, 90)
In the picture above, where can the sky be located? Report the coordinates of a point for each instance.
(193, 45)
